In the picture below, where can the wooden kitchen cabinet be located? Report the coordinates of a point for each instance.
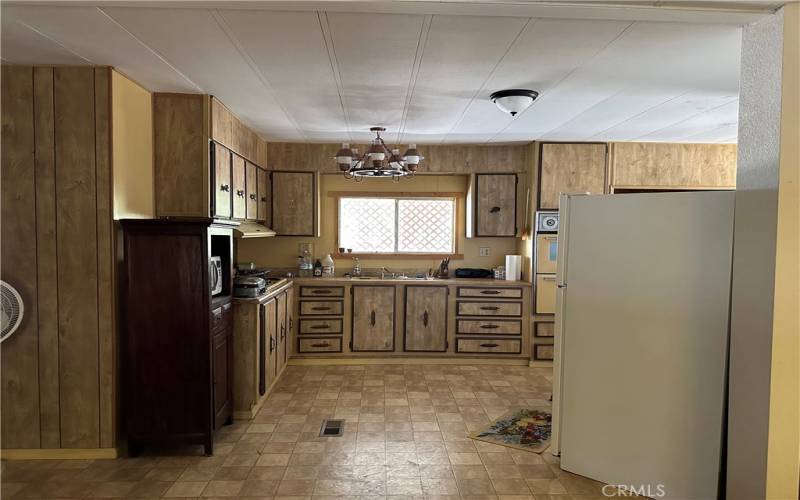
(239, 179)
(294, 203)
(649, 165)
(570, 168)
(281, 329)
(251, 191)
(222, 182)
(492, 205)
(223, 377)
(262, 179)
(270, 345)
(192, 136)
(373, 313)
(426, 318)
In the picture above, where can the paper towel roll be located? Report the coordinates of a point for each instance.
(513, 267)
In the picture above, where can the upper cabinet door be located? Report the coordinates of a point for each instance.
(239, 189)
(251, 191)
(495, 205)
(294, 203)
(373, 318)
(570, 168)
(222, 181)
(261, 178)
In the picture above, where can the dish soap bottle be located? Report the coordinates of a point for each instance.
(327, 266)
(317, 269)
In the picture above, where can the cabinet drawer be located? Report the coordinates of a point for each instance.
(322, 291)
(498, 346)
(546, 253)
(329, 344)
(319, 326)
(541, 329)
(545, 293)
(321, 307)
(489, 327)
(221, 317)
(489, 309)
(490, 293)
(543, 352)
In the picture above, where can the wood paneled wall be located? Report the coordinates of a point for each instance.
(450, 159)
(658, 164)
(58, 379)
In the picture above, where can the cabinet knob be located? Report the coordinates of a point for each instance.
(225, 187)
(240, 193)
(319, 327)
(264, 199)
(425, 318)
(321, 308)
(494, 210)
(252, 197)
(490, 326)
(490, 292)
(372, 318)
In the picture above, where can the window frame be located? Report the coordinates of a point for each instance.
(458, 223)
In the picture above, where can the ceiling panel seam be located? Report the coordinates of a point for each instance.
(223, 24)
(637, 115)
(149, 48)
(422, 43)
(692, 137)
(692, 117)
(544, 93)
(530, 22)
(325, 28)
(51, 39)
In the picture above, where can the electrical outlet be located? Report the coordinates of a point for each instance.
(301, 247)
(484, 251)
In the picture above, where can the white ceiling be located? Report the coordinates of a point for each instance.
(328, 75)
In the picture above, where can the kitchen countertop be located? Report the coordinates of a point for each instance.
(446, 281)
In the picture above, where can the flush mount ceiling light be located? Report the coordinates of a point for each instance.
(378, 161)
(514, 101)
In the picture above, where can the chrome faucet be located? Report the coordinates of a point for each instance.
(356, 267)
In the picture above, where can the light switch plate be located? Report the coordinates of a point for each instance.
(484, 251)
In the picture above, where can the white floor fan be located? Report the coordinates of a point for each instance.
(12, 310)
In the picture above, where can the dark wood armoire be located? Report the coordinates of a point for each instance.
(177, 347)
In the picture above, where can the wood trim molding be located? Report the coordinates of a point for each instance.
(405, 256)
(412, 359)
(389, 194)
(59, 453)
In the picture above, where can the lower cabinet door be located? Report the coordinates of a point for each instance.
(270, 342)
(373, 318)
(426, 319)
(223, 377)
(282, 330)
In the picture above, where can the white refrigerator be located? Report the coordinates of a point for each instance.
(641, 339)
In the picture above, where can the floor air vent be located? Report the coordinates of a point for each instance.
(332, 428)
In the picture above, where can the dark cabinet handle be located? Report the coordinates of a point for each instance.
(425, 318)
(490, 308)
(494, 210)
(321, 308)
(264, 198)
(283, 331)
(372, 318)
(252, 197)
(271, 343)
(240, 193)
(225, 187)
(290, 323)
(320, 327)
(490, 326)
(490, 292)
(489, 345)
(321, 344)
(321, 292)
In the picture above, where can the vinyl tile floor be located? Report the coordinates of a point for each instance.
(405, 436)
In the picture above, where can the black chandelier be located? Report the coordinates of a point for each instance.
(378, 161)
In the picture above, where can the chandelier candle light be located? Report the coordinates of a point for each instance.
(378, 161)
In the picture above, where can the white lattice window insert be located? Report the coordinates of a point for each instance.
(397, 225)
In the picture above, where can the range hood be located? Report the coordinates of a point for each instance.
(252, 230)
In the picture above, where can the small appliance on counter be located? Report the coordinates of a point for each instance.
(249, 287)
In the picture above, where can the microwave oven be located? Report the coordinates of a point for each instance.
(216, 276)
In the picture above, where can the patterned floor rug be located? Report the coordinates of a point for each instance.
(525, 429)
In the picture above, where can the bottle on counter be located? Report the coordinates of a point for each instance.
(306, 264)
(317, 269)
(327, 266)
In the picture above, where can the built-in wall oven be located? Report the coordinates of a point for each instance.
(546, 257)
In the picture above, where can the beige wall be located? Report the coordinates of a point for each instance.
(132, 136)
(281, 252)
(783, 452)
